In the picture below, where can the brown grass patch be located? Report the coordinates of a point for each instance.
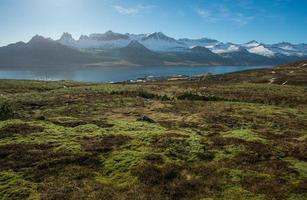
(277, 188)
(168, 181)
(103, 144)
(16, 156)
(19, 129)
(297, 150)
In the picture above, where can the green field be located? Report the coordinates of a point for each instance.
(234, 136)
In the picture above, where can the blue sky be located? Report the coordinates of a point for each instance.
(236, 21)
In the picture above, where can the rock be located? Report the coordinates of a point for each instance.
(146, 119)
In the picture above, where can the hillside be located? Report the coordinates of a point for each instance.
(137, 53)
(41, 52)
(232, 136)
(289, 74)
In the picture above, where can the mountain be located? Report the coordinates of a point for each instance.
(115, 49)
(107, 36)
(107, 40)
(261, 50)
(201, 55)
(243, 57)
(137, 53)
(41, 52)
(160, 42)
(251, 44)
(289, 49)
(225, 48)
(67, 39)
(203, 42)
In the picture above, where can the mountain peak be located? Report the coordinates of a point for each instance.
(159, 36)
(136, 45)
(83, 37)
(284, 43)
(109, 32)
(37, 39)
(252, 41)
(109, 35)
(66, 36)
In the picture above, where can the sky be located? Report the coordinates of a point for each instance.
(237, 21)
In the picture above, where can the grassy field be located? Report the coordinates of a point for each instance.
(234, 136)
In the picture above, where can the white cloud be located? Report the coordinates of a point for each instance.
(138, 9)
(222, 13)
(203, 13)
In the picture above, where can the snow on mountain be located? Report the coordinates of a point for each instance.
(214, 45)
(160, 42)
(225, 48)
(258, 48)
(289, 49)
(108, 40)
(136, 37)
(251, 44)
(203, 42)
(285, 46)
(159, 36)
(261, 50)
(302, 48)
(108, 36)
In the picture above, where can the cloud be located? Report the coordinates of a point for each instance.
(131, 11)
(203, 13)
(223, 14)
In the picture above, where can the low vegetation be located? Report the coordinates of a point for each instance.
(218, 137)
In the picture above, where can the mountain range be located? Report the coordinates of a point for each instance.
(114, 49)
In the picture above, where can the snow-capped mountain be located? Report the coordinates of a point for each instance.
(160, 42)
(145, 50)
(136, 37)
(110, 40)
(286, 48)
(203, 42)
(258, 48)
(106, 40)
(251, 44)
(108, 36)
(261, 50)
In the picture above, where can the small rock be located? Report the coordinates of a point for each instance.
(284, 83)
(272, 80)
(146, 119)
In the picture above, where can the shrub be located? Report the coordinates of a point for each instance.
(196, 97)
(6, 111)
(142, 94)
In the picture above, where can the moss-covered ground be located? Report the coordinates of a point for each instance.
(231, 140)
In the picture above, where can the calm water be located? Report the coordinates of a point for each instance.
(116, 74)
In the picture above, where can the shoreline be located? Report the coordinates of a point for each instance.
(135, 75)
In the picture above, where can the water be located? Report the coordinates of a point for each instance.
(116, 74)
